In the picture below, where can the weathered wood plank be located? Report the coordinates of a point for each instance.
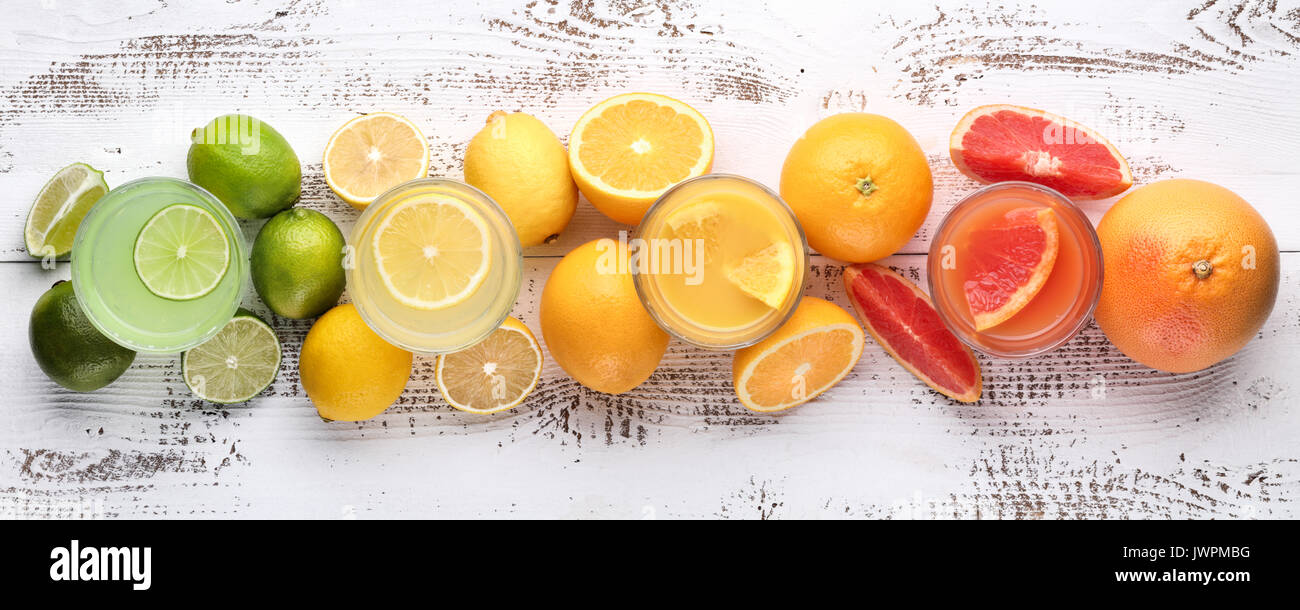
(1200, 89)
(1081, 433)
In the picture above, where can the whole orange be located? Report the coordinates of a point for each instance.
(594, 324)
(1191, 273)
(859, 184)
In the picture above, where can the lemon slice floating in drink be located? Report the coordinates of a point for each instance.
(181, 253)
(494, 374)
(432, 253)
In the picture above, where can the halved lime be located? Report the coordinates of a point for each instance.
(181, 253)
(236, 364)
(60, 206)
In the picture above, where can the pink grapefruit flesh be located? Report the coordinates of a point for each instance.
(1008, 262)
(901, 318)
(1001, 142)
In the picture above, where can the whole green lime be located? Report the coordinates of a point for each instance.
(297, 263)
(68, 348)
(247, 164)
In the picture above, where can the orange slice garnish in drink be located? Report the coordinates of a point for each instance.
(627, 150)
(766, 274)
(1008, 262)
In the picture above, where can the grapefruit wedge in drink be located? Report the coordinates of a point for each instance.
(1001, 142)
(1011, 260)
(901, 318)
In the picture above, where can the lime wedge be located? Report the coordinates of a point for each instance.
(236, 364)
(181, 253)
(59, 208)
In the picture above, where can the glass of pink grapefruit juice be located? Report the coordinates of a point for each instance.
(1006, 243)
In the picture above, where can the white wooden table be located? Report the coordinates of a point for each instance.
(1203, 89)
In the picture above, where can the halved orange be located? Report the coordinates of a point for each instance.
(627, 150)
(373, 153)
(1008, 263)
(811, 352)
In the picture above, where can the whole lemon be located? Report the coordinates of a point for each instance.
(246, 163)
(520, 164)
(348, 371)
(859, 184)
(594, 325)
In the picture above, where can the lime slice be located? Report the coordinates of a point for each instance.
(236, 364)
(59, 208)
(432, 253)
(181, 253)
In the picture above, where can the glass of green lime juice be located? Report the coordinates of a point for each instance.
(159, 265)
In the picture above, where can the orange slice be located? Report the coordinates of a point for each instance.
(373, 153)
(627, 150)
(811, 352)
(1008, 263)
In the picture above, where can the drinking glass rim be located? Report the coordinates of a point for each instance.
(365, 227)
(802, 270)
(1069, 205)
(223, 214)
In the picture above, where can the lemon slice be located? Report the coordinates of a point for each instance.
(493, 375)
(432, 253)
(373, 153)
(766, 274)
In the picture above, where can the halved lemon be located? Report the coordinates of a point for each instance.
(811, 352)
(432, 253)
(627, 150)
(494, 374)
(373, 153)
(766, 274)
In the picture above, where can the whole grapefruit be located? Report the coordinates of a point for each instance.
(1191, 274)
(859, 184)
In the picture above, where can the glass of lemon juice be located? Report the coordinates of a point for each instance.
(719, 261)
(159, 265)
(435, 265)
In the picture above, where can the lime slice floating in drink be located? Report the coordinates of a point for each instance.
(236, 364)
(59, 208)
(181, 253)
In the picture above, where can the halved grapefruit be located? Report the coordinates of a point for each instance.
(1008, 262)
(901, 318)
(1001, 142)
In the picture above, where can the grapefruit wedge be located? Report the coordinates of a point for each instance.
(901, 318)
(1008, 262)
(1002, 142)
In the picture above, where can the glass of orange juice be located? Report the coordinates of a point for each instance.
(719, 261)
(1015, 269)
